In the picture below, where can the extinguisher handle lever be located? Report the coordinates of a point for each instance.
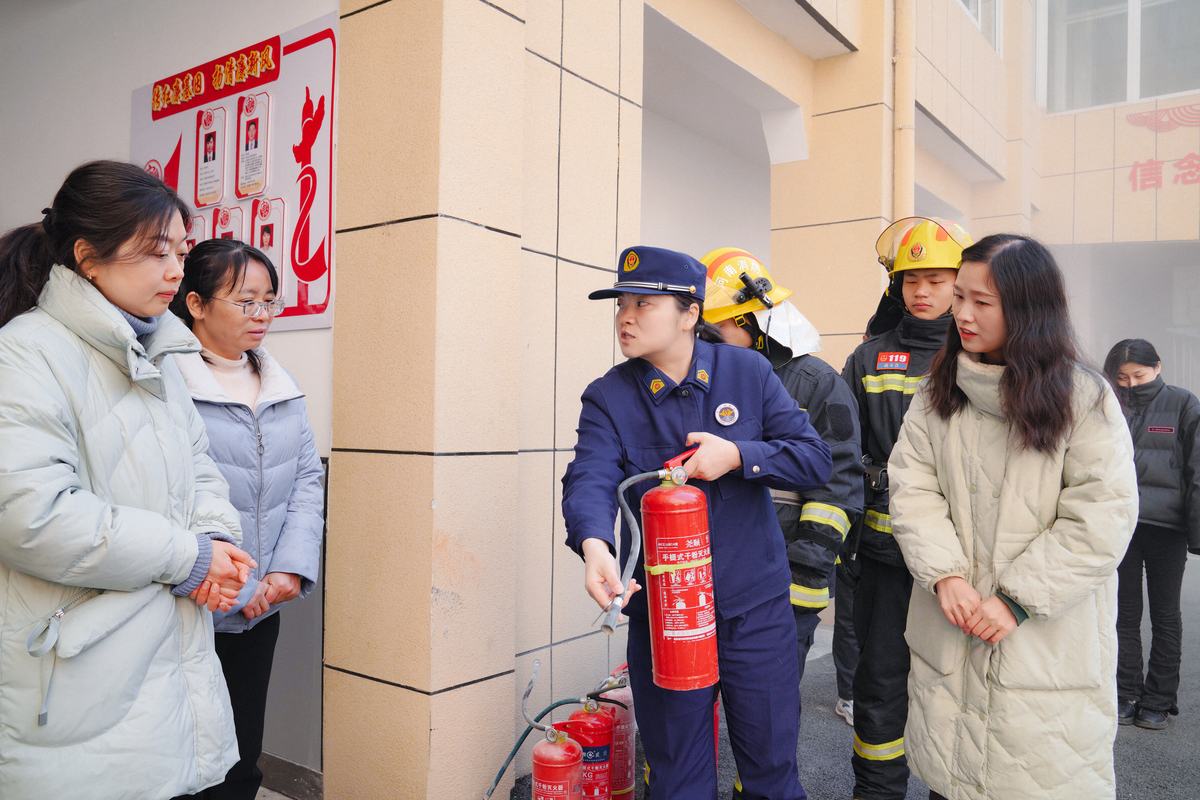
(678, 460)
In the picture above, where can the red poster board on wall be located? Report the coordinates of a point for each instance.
(248, 139)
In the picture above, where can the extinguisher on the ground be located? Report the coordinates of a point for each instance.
(557, 761)
(616, 687)
(679, 583)
(592, 727)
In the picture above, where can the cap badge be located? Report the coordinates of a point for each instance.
(631, 261)
(727, 414)
(916, 252)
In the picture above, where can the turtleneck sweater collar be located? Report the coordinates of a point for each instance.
(236, 377)
(141, 327)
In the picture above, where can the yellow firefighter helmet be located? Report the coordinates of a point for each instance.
(922, 243)
(738, 284)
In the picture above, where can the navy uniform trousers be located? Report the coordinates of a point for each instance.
(760, 689)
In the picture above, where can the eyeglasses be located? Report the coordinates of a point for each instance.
(253, 308)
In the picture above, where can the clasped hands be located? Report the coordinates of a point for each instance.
(227, 574)
(990, 619)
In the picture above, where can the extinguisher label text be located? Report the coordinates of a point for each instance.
(594, 755)
(547, 789)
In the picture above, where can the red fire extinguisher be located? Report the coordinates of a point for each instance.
(557, 761)
(616, 687)
(679, 583)
(592, 727)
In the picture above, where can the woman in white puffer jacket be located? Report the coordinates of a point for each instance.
(117, 539)
(1013, 498)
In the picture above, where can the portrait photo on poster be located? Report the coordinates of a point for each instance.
(254, 144)
(210, 160)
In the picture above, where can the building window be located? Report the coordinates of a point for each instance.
(986, 16)
(1114, 51)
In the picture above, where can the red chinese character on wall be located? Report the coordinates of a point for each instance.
(1189, 168)
(1146, 174)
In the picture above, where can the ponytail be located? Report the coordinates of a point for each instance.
(25, 260)
(107, 204)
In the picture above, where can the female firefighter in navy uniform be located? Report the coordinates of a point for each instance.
(677, 389)
(922, 256)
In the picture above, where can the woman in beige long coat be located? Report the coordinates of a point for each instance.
(1013, 499)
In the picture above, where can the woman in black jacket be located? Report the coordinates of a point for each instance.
(1164, 423)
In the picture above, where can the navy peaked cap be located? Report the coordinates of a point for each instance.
(656, 270)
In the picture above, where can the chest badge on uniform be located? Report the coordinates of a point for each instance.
(892, 361)
(1158, 429)
(727, 414)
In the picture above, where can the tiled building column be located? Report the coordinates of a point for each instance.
(420, 590)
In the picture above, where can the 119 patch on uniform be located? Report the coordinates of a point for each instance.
(892, 361)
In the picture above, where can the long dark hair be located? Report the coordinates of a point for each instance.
(1040, 351)
(104, 203)
(1129, 351)
(213, 265)
(704, 330)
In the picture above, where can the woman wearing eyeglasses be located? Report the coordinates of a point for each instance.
(260, 438)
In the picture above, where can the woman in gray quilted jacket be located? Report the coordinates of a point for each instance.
(261, 440)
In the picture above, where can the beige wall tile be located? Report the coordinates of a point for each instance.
(535, 545)
(476, 370)
(996, 198)
(574, 610)
(473, 542)
(1179, 212)
(834, 272)
(616, 646)
(535, 369)
(1054, 221)
(943, 181)
(1134, 212)
(632, 16)
(953, 44)
(1174, 145)
(379, 557)
(539, 217)
(1133, 142)
(483, 72)
(843, 177)
(925, 23)
(938, 54)
(1094, 207)
(578, 666)
(1057, 145)
(734, 32)
(925, 76)
(543, 28)
(849, 19)
(471, 720)
(376, 739)
(350, 6)
(837, 348)
(388, 111)
(861, 78)
(382, 358)
(940, 93)
(592, 40)
(1094, 140)
(629, 177)
(585, 343)
(587, 174)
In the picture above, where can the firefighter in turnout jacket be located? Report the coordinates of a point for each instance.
(751, 310)
(922, 256)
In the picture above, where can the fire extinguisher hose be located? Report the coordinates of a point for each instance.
(533, 722)
(635, 546)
